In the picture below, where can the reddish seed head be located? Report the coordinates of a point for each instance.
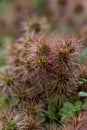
(31, 123)
(35, 25)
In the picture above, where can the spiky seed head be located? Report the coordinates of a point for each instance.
(66, 50)
(24, 96)
(40, 53)
(64, 87)
(7, 81)
(34, 107)
(8, 121)
(35, 25)
(63, 77)
(10, 125)
(31, 123)
(63, 55)
(41, 61)
(14, 52)
(42, 49)
(39, 46)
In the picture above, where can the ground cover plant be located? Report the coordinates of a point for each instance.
(44, 83)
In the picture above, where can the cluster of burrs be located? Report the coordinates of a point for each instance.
(43, 70)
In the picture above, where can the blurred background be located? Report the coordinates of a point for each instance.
(64, 17)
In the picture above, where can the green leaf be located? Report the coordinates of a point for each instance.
(3, 68)
(82, 81)
(78, 106)
(69, 109)
(3, 101)
(83, 56)
(51, 114)
(82, 94)
(4, 5)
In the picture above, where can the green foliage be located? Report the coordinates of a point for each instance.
(82, 94)
(10, 125)
(52, 112)
(42, 6)
(3, 42)
(3, 68)
(83, 56)
(69, 109)
(64, 30)
(2, 57)
(4, 5)
(3, 102)
(7, 40)
(82, 81)
(57, 114)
